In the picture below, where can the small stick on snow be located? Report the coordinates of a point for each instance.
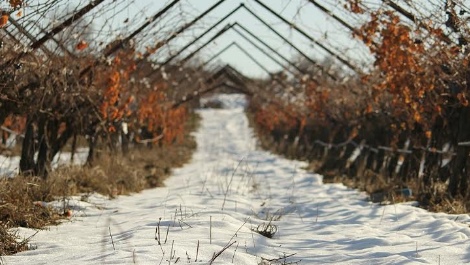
(172, 255)
(197, 251)
(112, 241)
(228, 244)
(230, 183)
(216, 255)
(235, 252)
(174, 220)
(167, 230)
(157, 232)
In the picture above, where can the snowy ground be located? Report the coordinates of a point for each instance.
(231, 189)
(9, 166)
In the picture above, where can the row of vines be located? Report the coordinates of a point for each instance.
(403, 123)
(53, 94)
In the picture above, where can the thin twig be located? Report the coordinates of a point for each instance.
(230, 182)
(216, 255)
(229, 244)
(112, 241)
(235, 252)
(197, 251)
(167, 230)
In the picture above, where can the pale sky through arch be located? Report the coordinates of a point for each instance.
(116, 18)
(302, 13)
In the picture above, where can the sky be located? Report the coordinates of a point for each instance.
(304, 14)
(116, 18)
(319, 25)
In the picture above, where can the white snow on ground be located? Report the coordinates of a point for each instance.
(9, 166)
(228, 101)
(227, 191)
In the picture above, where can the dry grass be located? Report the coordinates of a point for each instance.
(140, 169)
(17, 208)
(111, 175)
(11, 243)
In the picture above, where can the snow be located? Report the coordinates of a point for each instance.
(228, 190)
(9, 165)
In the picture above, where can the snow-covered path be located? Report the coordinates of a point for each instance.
(230, 189)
